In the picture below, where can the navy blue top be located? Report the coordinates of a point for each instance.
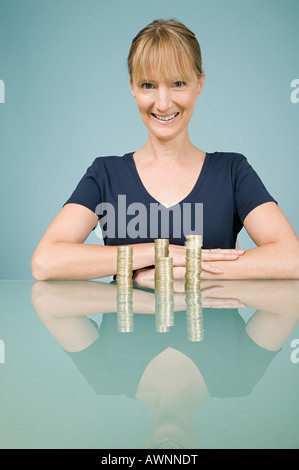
(226, 190)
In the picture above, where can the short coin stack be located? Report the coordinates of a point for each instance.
(124, 278)
(194, 315)
(193, 261)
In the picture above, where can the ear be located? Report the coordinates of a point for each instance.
(131, 84)
(201, 82)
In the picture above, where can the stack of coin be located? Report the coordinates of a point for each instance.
(161, 251)
(125, 318)
(194, 315)
(164, 311)
(164, 274)
(161, 248)
(124, 274)
(193, 261)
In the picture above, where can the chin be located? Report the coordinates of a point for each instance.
(164, 134)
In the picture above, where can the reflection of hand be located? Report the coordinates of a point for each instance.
(144, 278)
(208, 301)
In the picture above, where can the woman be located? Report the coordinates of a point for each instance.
(172, 175)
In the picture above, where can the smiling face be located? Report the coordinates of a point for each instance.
(166, 104)
(166, 84)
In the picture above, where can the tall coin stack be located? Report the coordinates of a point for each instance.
(125, 318)
(124, 274)
(194, 315)
(193, 261)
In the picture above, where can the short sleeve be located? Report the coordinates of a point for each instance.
(250, 191)
(87, 192)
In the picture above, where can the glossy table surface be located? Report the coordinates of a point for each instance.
(85, 365)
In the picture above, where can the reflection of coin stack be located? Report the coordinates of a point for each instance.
(125, 318)
(193, 261)
(164, 274)
(124, 267)
(164, 311)
(194, 315)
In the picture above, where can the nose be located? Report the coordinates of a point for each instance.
(163, 99)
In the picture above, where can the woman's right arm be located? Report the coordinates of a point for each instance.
(62, 255)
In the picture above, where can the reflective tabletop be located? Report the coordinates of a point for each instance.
(84, 364)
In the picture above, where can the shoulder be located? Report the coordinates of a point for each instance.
(229, 163)
(226, 158)
(110, 162)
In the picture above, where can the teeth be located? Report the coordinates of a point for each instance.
(165, 118)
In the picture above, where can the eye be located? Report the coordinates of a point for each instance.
(147, 86)
(179, 84)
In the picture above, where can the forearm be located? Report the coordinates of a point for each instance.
(271, 261)
(76, 261)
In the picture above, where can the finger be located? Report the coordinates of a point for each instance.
(179, 284)
(179, 272)
(229, 251)
(144, 274)
(222, 303)
(210, 269)
(145, 283)
(210, 290)
(219, 256)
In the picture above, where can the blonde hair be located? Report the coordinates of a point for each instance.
(166, 48)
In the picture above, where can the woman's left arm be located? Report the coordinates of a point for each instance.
(276, 255)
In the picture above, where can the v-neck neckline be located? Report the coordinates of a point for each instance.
(195, 188)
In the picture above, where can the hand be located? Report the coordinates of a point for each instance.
(145, 276)
(218, 254)
(178, 253)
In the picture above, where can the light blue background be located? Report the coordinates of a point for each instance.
(67, 100)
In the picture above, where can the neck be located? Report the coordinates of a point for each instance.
(169, 150)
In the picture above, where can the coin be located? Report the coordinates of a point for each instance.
(161, 247)
(124, 273)
(193, 261)
(163, 272)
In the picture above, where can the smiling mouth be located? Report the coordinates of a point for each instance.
(165, 119)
